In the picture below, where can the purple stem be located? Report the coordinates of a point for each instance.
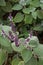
(13, 27)
(6, 35)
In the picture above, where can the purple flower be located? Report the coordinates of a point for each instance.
(10, 17)
(16, 41)
(29, 37)
(12, 37)
(5, 35)
(31, 34)
(27, 40)
(11, 24)
(13, 27)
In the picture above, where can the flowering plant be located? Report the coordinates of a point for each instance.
(18, 45)
(16, 50)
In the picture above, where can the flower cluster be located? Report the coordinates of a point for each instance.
(13, 36)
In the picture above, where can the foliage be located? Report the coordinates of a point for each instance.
(18, 20)
(24, 51)
(27, 11)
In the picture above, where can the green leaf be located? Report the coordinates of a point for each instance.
(2, 56)
(34, 42)
(28, 2)
(19, 48)
(1, 15)
(41, 5)
(6, 29)
(28, 10)
(17, 7)
(22, 41)
(24, 2)
(18, 18)
(26, 55)
(25, 32)
(2, 3)
(38, 28)
(40, 14)
(28, 19)
(32, 61)
(21, 63)
(39, 51)
(34, 14)
(41, 1)
(35, 3)
(15, 61)
(5, 44)
(4, 41)
(7, 8)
